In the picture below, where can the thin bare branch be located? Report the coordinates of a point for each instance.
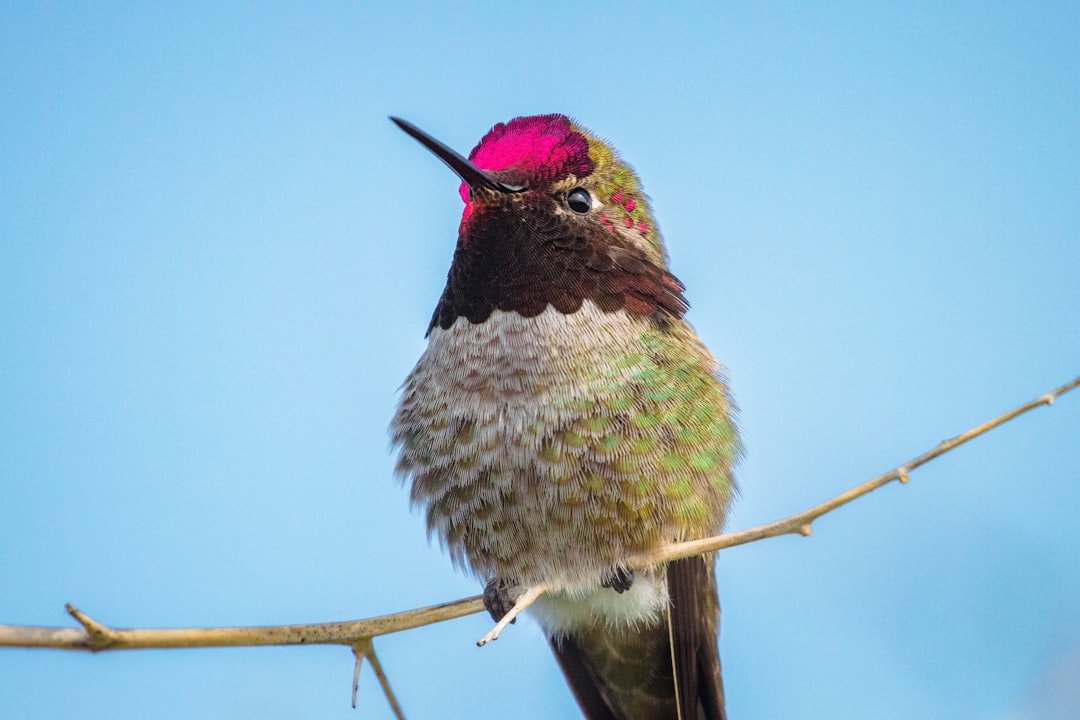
(384, 682)
(801, 522)
(95, 636)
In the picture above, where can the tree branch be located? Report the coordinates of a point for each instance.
(96, 637)
(357, 634)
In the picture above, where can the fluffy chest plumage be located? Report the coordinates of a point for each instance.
(547, 449)
(484, 421)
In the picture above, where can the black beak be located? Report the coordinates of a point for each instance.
(473, 176)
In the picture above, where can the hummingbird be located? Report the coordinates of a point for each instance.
(564, 417)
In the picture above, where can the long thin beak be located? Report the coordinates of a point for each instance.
(472, 175)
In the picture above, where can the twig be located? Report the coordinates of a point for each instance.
(365, 648)
(95, 637)
(376, 666)
(801, 522)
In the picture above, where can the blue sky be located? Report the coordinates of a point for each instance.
(218, 259)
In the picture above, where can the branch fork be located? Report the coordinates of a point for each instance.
(100, 637)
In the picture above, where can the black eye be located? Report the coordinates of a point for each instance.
(579, 200)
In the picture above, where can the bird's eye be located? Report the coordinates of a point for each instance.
(579, 200)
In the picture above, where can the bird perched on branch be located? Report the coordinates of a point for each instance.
(565, 416)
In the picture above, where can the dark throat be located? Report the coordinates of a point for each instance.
(520, 256)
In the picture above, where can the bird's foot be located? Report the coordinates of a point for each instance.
(498, 599)
(620, 580)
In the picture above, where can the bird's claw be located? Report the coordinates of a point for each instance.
(620, 580)
(497, 598)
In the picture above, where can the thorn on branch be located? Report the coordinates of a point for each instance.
(100, 637)
(360, 651)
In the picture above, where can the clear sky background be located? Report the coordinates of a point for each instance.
(218, 259)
